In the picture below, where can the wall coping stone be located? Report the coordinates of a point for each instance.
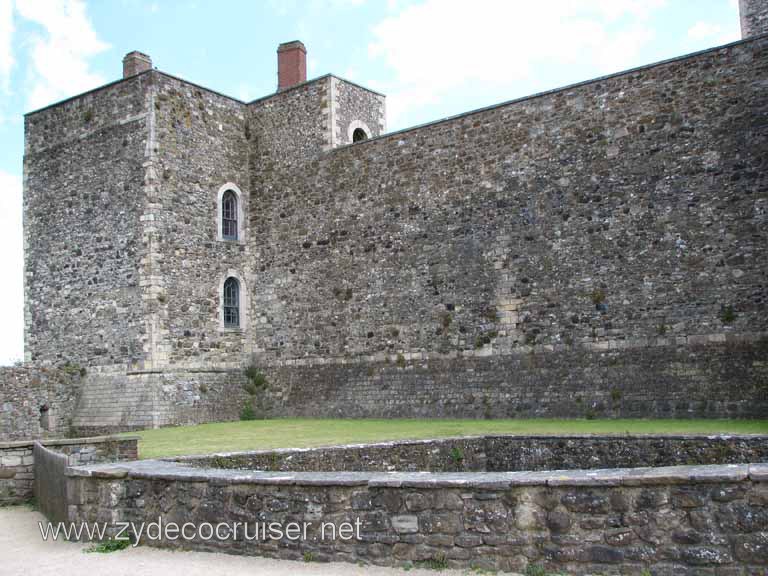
(65, 441)
(170, 471)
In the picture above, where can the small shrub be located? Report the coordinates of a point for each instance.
(457, 456)
(615, 395)
(108, 546)
(662, 329)
(727, 314)
(446, 319)
(256, 379)
(590, 414)
(247, 413)
(203, 388)
(87, 116)
(309, 557)
(400, 361)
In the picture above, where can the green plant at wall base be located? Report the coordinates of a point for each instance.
(727, 314)
(108, 546)
(615, 395)
(535, 570)
(400, 361)
(439, 562)
(247, 413)
(309, 557)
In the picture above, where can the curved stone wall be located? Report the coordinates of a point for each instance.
(674, 520)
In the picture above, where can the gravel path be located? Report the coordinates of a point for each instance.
(23, 552)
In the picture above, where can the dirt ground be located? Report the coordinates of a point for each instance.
(23, 552)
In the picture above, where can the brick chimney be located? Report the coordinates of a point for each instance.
(136, 63)
(291, 64)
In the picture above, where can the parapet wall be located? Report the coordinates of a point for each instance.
(680, 521)
(499, 453)
(17, 464)
(25, 390)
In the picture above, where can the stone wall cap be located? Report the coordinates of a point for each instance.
(758, 472)
(66, 441)
(163, 470)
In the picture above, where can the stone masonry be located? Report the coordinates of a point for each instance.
(675, 521)
(596, 250)
(17, 460)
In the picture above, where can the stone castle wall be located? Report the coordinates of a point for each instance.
(606, 235)
(754, 17)
(24, 390)
(594, 250)
(114, 399)
(83, 181)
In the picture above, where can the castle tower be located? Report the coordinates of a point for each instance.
(754, 17)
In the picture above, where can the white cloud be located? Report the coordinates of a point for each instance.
(6, 36)
(439, 46)
(60, 56)
(11, 262)
(711, 33)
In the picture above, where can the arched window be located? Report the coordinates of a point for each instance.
(229, 215)
(359, 135)
(231, 303)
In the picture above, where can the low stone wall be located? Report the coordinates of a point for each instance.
(17, 472)
(674, 521)
(497, 453)
(25, 390)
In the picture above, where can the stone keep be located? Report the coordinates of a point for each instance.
(594, 250)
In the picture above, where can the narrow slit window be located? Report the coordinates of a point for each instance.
(229, 215)
(231, 303)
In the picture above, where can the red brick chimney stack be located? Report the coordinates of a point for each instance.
(291, 64)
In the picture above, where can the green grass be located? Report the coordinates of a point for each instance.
(299, 432)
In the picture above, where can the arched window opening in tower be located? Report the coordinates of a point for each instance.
(231, 303)
(359, 135)
(229, 215)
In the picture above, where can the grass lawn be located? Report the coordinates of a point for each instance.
(301, 432)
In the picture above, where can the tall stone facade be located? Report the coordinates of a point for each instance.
(594, 250)
(754, 17)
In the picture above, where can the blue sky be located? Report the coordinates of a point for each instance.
(432, 58)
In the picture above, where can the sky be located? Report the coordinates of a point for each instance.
(432, 58)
